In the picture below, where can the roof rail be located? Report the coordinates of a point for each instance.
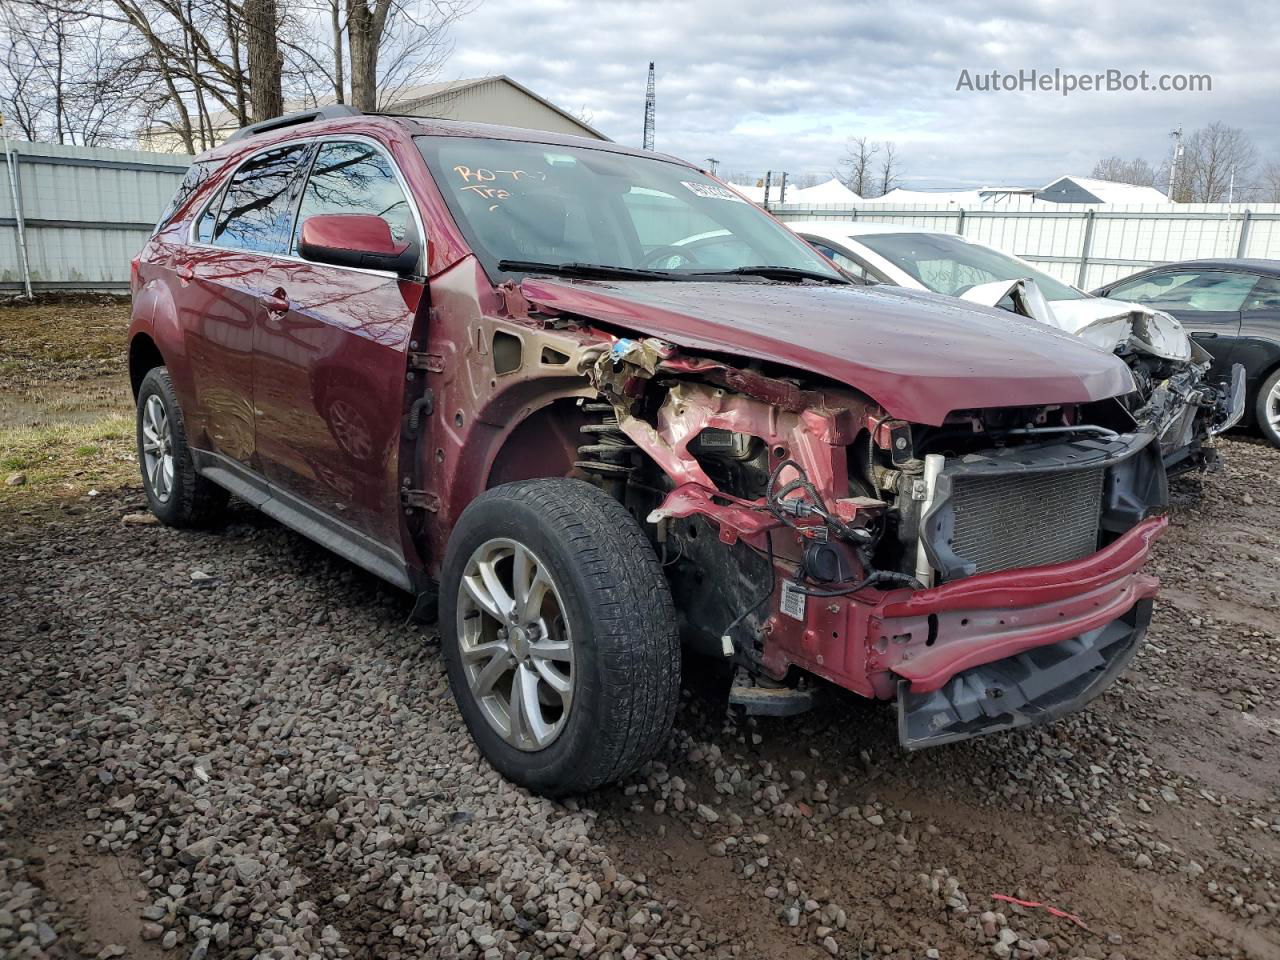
(331, 112)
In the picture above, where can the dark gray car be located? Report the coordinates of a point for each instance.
(1232, 309)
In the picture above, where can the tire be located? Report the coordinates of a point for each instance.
(177, 494)
(606, 608)
(1266, 408)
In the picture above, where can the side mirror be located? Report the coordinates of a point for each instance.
(356, 240)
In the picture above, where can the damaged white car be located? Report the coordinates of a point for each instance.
(1176, 401)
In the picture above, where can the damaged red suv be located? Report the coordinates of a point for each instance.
(591, 404)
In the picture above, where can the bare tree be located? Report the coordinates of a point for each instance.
(65, 76)
(199, 68)
(1118, 170)
(1267, 189)
(889, 169)
(266, 62)
(1217, 163)
(856, 169)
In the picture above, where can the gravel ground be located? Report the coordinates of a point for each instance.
(232, 744)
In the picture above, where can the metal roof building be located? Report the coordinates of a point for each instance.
(497, 99)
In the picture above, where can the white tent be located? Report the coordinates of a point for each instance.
(833, 191)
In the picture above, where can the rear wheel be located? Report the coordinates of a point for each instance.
(1268, 408)
(559, 635)
(177, 495)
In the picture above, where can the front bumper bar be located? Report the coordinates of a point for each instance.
(1036, 686)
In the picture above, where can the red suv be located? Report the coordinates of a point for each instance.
(592, 404)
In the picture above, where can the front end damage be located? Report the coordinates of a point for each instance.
(1175, 400)
(985, 572)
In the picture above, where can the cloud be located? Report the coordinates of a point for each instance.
(762, 85)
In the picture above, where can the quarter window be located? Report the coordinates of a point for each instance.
(196, 176)
(255, 210)
(355, 178)
(1265, 295)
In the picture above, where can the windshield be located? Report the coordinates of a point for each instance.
(951, 266)
(532, 203)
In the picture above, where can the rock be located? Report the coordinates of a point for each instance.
(201, 849)
(152, 931)
(140, 520)
(707, 814)
(15, 479)
(831, 946)
(248, 870)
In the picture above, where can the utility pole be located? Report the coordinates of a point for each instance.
(649, 110)
(11, 161)
(712, 162)
(1175, 163)
(782, 193)
(768, 185)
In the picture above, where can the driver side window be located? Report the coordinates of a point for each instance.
(1210, 291)
(355, 177)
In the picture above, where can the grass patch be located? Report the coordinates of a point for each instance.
(66, 415)
(65, 461)
(62, 339)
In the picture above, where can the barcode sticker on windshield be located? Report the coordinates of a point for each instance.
(712, 191)
(792, 600)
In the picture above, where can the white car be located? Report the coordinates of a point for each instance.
(1167, 364)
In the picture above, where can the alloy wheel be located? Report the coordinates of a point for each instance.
(515, 643)
(157, 448)
(1271, 408)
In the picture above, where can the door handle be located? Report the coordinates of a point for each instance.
(276, 303)
(1204, 336)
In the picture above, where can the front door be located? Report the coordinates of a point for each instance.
(1207, 302)
(330, 354)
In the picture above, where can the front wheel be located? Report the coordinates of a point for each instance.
(559, 635)
(1268, 409)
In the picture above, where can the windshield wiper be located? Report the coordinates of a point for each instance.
(775, 273)
(584, 270)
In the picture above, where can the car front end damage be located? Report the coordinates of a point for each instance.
(1175, 399)
(985, 572)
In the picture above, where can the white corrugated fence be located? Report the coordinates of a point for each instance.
(85, 212)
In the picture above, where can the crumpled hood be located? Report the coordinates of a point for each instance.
(920, 356)
(1108, 323)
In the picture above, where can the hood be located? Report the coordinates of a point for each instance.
(918, 355)
(1110, 323)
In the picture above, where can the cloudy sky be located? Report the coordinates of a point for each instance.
(776, 85)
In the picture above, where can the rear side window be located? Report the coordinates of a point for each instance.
(355, 178)
(255, 209)
(1265, 295)
(197, 174)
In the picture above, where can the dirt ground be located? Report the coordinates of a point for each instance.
(233, 744)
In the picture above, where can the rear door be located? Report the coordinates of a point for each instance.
(1258, 348)
(330, 354)
(218, 276)
(1207, 302)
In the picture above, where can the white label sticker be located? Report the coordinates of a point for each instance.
(712, 191)
(792, 600)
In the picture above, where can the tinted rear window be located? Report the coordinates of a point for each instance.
(255, 210)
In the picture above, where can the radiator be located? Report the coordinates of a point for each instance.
(1026, 519)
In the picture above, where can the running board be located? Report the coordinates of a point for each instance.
(295, 513)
